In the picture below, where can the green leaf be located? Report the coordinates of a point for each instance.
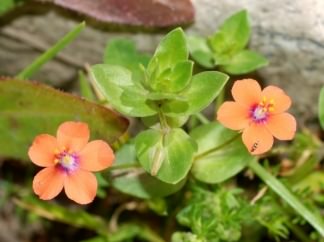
(223, 163)
(172, 49)
(204, 88)
(200, 51)
(175, 79)
(321, 107)
(138, 183)
(135, 181)
(244, 62)
(233, 35)
(123, 52)
(29, 109)
(7, 5)
(117, 86)
(167, 156)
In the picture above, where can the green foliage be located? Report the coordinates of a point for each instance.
(321, 107)
(115, 83)
(215, 215)
(123, 52)
(168, 156)
(226, 47)
(270, 215)
(245, 61)
(28, 109)
(232, 36)
(217, 165)
(7, 5)
(135, 181)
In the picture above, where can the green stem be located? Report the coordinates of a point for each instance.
(286, 195)
(201, 118)
(50, 53)
(212, 150)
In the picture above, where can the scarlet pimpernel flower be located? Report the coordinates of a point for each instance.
(260, 114)
(69, 161)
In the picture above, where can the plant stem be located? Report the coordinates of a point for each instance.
(50, 53)
(201, 118)
(207, 152)
(286, 195)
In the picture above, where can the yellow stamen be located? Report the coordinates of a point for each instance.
(56, 161)
(271, 109)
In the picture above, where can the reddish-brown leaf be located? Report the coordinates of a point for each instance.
(147, 13)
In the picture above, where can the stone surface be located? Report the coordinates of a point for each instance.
(289, 33)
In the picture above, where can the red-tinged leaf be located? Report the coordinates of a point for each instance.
(28, 109)
(147, 13)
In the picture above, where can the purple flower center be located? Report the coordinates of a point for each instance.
(259, 113)
(67, 161)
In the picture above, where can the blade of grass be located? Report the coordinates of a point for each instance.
(288, 196)
(50, 53)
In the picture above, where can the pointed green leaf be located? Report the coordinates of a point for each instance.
(123, 52)
(200, 51)
(28, 109)
(244, 62)
(167, 156)
(204, 88)
(321, 107)
(172, 49)
(117, 86)
(233, 35)
(225, 162)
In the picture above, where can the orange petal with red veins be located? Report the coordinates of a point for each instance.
(42, 151)
(257, 139)
(81, 186)
(247, 92)
(73, 135)
(233, 115)
(281, 100)
(48, 183)
(96, 156)
(282, 126)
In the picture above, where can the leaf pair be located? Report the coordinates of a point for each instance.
(226, 48)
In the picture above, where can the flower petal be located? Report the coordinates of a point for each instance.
(233, 115)
(281, 100)
(246, 92)
(73, 135)
(48, 183)
(42, 151)
(96, 156)
(282, 126)
(257, 139)
(81, 186)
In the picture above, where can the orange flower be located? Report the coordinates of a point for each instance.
(69, 161)
(259, 113)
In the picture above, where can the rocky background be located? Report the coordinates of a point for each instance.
(289, 33)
